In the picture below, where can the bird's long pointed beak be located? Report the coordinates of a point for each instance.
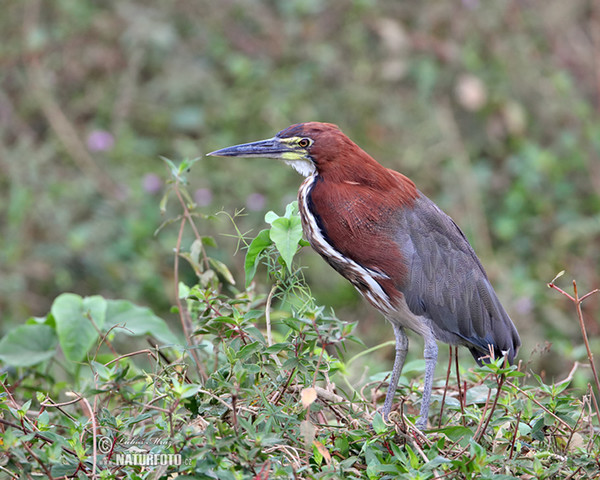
(269, 148)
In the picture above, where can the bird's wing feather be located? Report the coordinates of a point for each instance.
(446, 283)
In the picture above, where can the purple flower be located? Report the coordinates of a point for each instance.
(203, 197)
(255, 201)
(470, 4)
(152, 183)
(100, 141)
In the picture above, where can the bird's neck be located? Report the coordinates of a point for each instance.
(362, 173)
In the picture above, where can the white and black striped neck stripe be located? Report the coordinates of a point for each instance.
(364, 279)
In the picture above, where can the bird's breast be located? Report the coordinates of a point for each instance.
(353, 231)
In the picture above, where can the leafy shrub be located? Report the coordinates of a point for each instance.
(232, 400)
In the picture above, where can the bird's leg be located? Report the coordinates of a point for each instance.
(430, 354)
(401, 349)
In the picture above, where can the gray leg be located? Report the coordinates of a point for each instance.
(401, 349)
(430, 354)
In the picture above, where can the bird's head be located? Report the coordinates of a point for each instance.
(308, 147)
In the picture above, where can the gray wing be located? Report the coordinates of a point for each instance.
(447, 283)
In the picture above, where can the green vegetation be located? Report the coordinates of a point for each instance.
(229, 401)
(490, 107)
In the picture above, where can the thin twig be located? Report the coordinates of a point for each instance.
(417, 447)
(52, 404)
(102, 336)
(569, 377)
(483, 415)
(215, 397)
(125, 355)
(94, 433)
(183, 312)
(332, 397)
(323, 347)
(500, 382)
(37, 459)
(587, 343)
(462, 398)
(294, 458)
(268, 322)
(11, 399)
(37, 435)
(13, 475)
(578, 301)
(567, 446)
(574, 473)
(284, 387)
(188, 217)
(268, 313)
(59, 406)
(596, 290)
(446, 386)
(529, 397)
(319, 361)
(515, 433)
(234, 420)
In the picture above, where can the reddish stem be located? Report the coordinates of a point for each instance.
(578, 301)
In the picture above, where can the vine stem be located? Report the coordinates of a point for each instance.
(577, 300)
(183, 312)
(268, 322)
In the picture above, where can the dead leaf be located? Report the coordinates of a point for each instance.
(308, 396)
(323, 451)
(308, 432)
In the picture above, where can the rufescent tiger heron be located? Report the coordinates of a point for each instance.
(401, 252)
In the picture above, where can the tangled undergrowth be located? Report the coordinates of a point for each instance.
(263, 387)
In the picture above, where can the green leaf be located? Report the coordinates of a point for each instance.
(196, 250)
(341, 443)
(277, 347)
(257, 246)
(186, 164)
(248, 350)
(317, 455)
(189, 390)
(286, 233)
(291, 209)
(103, 371)
(43, 419)
(208, 241)
(373, 463)
(64, 470)
(254, 314)
(414, 460)
(271, 216)
(222, 269)
(163, 203)
(174, 170)
(137, 321)
(456, 432)
(28, 345)
(378, 424)
(76, 333)
(183, 291)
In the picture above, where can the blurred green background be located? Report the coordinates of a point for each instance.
(492, 108)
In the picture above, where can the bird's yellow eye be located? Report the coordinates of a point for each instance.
(304, 142)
